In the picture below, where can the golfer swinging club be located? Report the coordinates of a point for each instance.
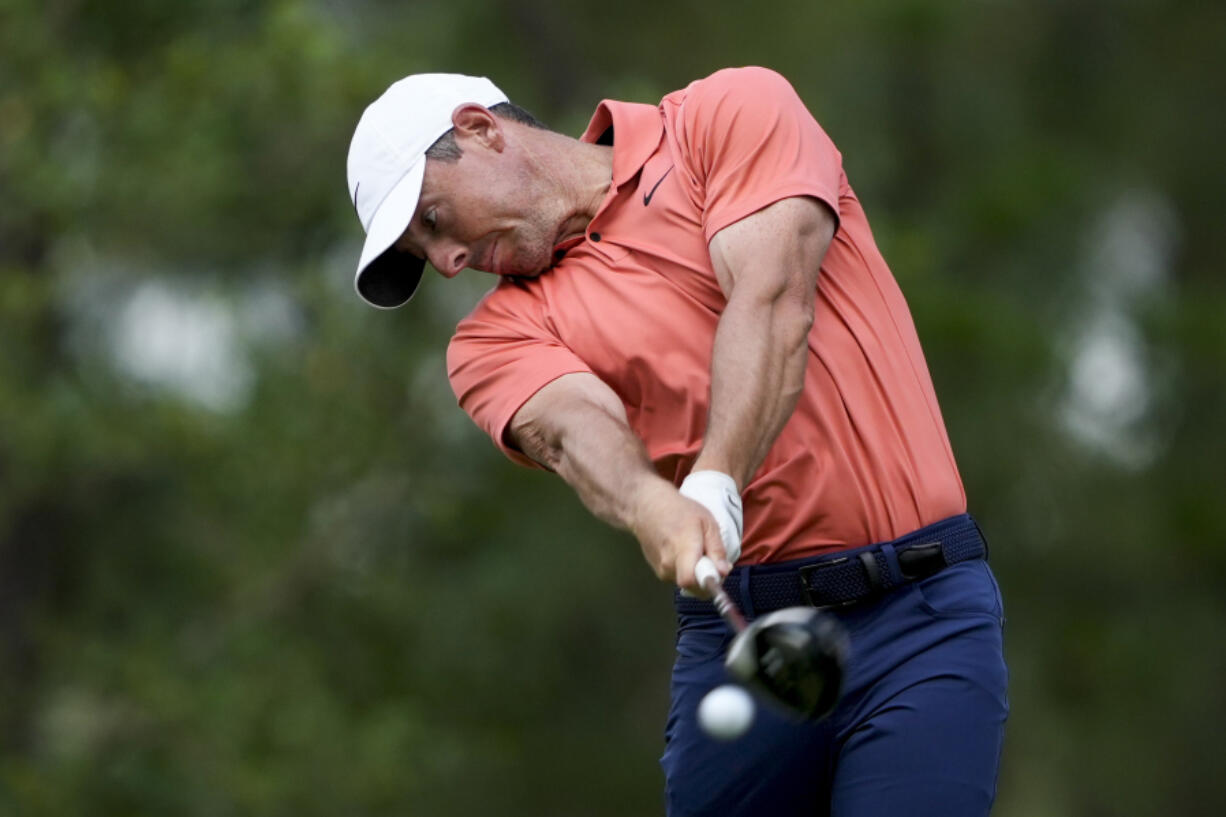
(694, 328)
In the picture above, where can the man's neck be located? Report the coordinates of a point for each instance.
(578, 173)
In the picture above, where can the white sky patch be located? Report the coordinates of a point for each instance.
(187, 345)
(191, 339)
(1111, 387)
(1109, 391)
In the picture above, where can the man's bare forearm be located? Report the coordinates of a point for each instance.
(599, 456)
(757, 374)
(577, 426)
(767, 265)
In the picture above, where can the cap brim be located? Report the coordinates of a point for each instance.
(390, 280)
(387, 278)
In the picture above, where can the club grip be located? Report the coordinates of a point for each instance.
(706, 574)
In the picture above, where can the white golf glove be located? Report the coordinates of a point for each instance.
(716, 491)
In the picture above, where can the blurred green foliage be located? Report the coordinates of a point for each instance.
(316, 589)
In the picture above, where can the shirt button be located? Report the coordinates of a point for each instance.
(595, 236)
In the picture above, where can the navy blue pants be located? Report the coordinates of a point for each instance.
(918, 730)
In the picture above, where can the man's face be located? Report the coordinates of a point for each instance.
(483, 211)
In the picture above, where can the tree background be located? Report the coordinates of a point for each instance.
(254, 561)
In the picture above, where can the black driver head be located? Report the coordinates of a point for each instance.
(795, 657)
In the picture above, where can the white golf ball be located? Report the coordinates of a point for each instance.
(725, 712)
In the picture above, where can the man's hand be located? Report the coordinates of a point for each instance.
(674, 533)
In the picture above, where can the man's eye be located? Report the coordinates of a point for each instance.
(431, 219)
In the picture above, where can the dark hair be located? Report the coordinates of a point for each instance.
(445, 148)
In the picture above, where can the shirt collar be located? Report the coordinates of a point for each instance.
(637, 131)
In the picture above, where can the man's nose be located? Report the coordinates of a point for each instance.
(449, 258)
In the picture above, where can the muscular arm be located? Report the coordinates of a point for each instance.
(577, 427)
(767, 267)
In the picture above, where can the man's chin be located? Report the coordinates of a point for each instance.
(528, 268)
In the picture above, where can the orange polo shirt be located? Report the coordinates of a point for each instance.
(864, 457)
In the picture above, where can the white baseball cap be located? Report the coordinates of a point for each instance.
(387, 160)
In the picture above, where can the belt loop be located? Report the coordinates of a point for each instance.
(891, 559)
(872, 571)
(982, 538)
(746, 595)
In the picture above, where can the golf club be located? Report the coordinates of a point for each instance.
(795, 657)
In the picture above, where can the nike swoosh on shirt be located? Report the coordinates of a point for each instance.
(647, 196)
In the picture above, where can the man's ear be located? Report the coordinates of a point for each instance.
(475, 124)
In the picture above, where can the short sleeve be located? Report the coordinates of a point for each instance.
(750, 142)
(501, 355)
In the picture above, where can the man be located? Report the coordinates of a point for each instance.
(694, 328)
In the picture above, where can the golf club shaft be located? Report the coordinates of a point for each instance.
(709, 578)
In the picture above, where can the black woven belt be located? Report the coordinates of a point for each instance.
(849, 576)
